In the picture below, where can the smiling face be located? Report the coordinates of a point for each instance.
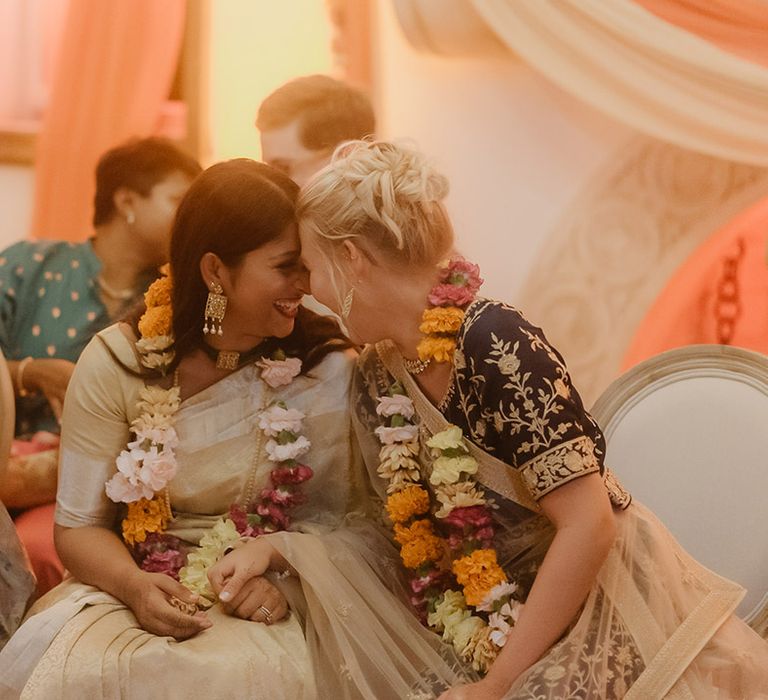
(264, 291)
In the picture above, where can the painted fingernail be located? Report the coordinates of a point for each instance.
(225, 596)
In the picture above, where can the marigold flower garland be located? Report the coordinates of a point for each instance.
(457, 585)
(148, 463)
(456, 289)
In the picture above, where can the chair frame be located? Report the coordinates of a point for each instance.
(746, 366)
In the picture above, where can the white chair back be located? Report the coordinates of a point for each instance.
(687, 435)
(7, 414)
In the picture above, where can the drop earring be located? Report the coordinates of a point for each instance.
(130, 218)
(346, 305)
(215, 308)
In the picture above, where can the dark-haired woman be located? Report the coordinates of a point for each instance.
(220, 421)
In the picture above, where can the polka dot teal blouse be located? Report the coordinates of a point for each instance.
(49, 307)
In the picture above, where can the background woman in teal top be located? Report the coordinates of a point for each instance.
(55, 295)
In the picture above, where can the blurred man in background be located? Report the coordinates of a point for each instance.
(303, 121)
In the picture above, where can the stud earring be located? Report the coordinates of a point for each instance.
(215, 308)
(346, 305)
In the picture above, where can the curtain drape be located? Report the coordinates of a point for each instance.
(116, 65)
(738, 26)
(30, 32)
(644, 71)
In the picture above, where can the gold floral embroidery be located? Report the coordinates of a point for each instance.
(536, 401)
(529, 412)
(574, 672)
(560, 464)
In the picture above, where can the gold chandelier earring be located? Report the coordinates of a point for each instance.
(215, 308)
(346, 305)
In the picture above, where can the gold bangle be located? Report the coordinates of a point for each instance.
(20, 376)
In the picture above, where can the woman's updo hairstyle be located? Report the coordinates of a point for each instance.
(385, 198)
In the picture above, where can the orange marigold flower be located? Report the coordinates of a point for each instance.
(159, 293)
(478, 573)
(403, 505)
(419, 544)
(155, 321)
(439, 319)
(145, 516)
(418, 528)
(439, 349)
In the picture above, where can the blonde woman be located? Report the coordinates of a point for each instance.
(519, 544)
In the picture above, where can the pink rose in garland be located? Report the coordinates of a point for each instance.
(275, 517)
(432, 579)
(161, 554)
(458, 284)
(469, 517)
(247, 524)
(168, 562)
(283, 497)
(291, 475)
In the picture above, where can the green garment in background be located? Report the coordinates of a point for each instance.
(49, 308)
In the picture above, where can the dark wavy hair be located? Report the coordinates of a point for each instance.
(233, 208)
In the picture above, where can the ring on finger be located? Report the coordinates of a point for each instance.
(179, 604)
(264, 610)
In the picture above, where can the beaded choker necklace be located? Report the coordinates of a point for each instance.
(232, 359)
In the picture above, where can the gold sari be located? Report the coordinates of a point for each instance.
(347, 636)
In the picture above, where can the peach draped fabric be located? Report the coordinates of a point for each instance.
(116, 65)
(685, 311)
(642, 70)
(737, 26)
(30, 32)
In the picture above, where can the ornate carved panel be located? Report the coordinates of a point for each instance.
(618, 243)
